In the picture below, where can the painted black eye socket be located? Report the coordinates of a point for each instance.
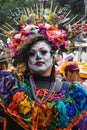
(31, 53)
(44, 52)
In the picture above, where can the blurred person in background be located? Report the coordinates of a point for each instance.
(3, 64)
(72, 75)
(71, 71)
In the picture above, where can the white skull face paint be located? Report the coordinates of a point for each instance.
(40, 58)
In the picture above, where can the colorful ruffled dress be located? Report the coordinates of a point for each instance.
(57, 108)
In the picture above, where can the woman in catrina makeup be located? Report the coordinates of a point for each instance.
(38, 100)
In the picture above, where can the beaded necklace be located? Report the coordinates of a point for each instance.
(45, 93)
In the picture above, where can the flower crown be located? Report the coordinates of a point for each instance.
(54, 35)
(40, 21)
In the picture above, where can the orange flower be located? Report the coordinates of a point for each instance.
(60, 39)
(52, 27)
(15, 44)
(13, 108)
(18, 97)
(22, 32)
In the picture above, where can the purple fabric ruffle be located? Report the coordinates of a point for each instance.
(82, 125)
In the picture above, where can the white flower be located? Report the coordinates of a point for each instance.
(17, 36)
(47, 25)
(1, 43)
(27, 28)
(8, 40)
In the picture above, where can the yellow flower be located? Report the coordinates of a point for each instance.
(51, 18)
(52, 15)
(24, 106)
(43, 113)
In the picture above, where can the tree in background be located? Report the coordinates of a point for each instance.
(77, 6)
(13, 5)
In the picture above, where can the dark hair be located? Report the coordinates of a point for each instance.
(66, 72)
(38, 38)
(24, 51)
(60, 53)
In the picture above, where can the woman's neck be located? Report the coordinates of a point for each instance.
(43, 74)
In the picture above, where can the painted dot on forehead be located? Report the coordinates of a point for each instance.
(41, 44)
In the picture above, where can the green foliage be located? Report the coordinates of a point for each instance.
(6, 5)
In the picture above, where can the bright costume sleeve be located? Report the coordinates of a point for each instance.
(73, 108)
(8, 81)
(62, 109)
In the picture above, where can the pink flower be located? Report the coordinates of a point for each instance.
(40, 25)
(57, 37)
